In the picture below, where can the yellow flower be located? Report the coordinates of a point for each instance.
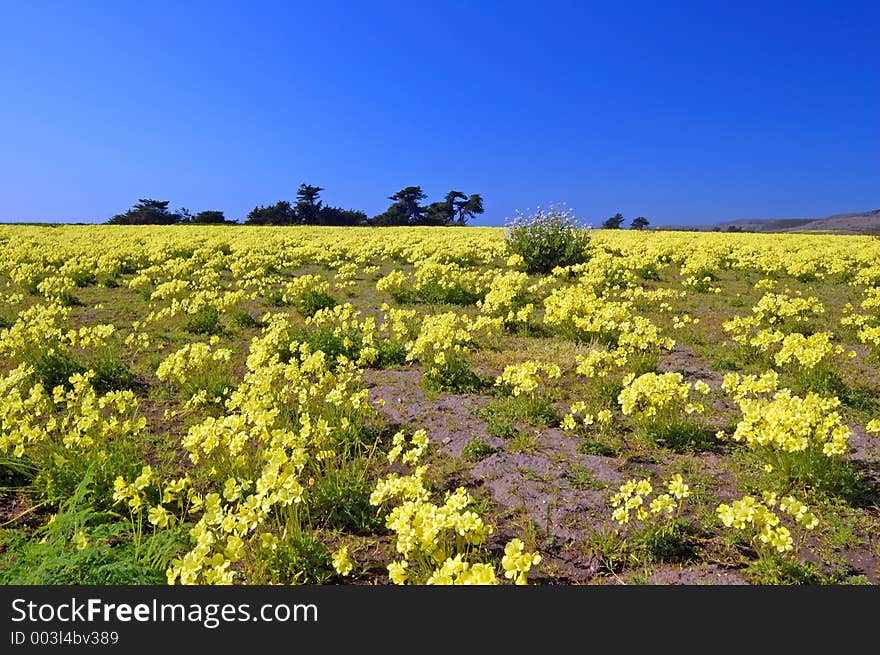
(341, 561)
(677, 487)
(159, 517)
(80, 540)
(517, 563)
(397, 572)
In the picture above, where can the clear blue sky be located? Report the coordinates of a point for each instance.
(683, 112)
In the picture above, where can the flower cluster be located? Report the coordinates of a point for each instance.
(631, 500)
(786, 422)
(528, 376)
(190, 360)
(438, 542)
(652, 396)
(767, 529)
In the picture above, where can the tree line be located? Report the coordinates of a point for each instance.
(616, 223)
(308, 209)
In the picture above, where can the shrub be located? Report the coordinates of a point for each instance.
(548, 239)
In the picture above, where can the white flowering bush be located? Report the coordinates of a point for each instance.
(547, 239)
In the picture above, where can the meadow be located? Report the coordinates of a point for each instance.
(284, 405)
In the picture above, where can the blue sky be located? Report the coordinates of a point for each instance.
(687, 112)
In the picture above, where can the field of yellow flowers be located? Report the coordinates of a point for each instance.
(234, 405)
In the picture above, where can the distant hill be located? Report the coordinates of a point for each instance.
(852, 223)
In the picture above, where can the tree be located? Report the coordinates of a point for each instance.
(613, 223)
(456, 204)
(405, 210)
(147, 212)
(337, 216)
(281, 213)
(439, 213)
(395, 215)
(409, 198)
(455, 200)
(639, 223)
(308, 206)
(473, 205)
(209, 217)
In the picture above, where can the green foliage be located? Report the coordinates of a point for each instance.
(340, 499)
(477, 450)
(581, 477)
(391, 353)
(311, 301)
(308, 210)
(281, 213)
(782, 571)
(84, 546)
(549, 239)
(300, 558)
(54, 367)
(241, 318)
(663, 542)
(209, 217)
(68, 299)
(406, 209)
(331, 344)
(83, 278)
(454, 375)
(804, 472)
(607, 546)
(685, 435)
(111, 373)
(435, 292)
(204, 321)
(62, 471)
(532, 409)
(588, 446)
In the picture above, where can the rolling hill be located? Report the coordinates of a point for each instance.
(867, 222)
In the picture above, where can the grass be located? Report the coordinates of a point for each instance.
(107, 551)
(477, 450)
(204, 321)
(504, 417)
(679, 436)
(524, 442)
(581, 477)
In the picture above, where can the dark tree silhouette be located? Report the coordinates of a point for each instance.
(209, 217)
(308, 206)
(439, 213)
(147, 212)
(613, 223)
(467, 209)
(639, 223)
(281, 213)
(405, 210)
(337, 216)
